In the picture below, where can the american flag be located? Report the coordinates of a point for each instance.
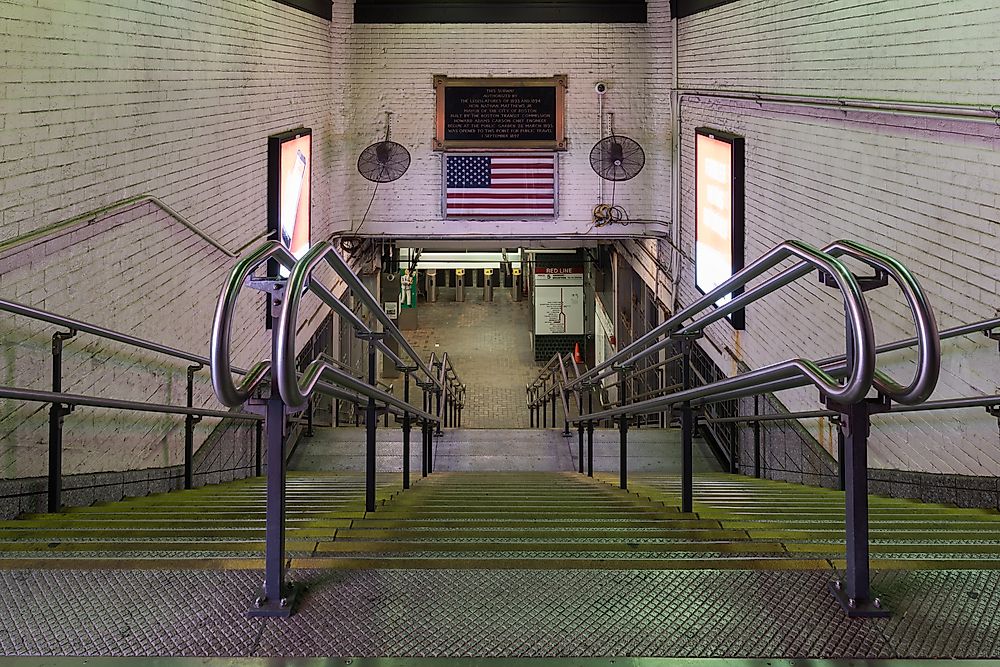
(500, 185)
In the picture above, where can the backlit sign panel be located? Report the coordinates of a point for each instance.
(719, 223)
(289, 180)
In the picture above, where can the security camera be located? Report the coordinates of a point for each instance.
(601, 88)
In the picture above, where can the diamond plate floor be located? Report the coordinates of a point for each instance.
(477, 613)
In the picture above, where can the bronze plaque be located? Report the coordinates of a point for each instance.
(500, 113)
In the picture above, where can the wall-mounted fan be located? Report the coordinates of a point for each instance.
(384, 161)
(381, 162)
(615, 158)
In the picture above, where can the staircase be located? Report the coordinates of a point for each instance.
(527, 520)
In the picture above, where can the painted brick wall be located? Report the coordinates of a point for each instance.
(391, 69)
(927, 191)
(874, 49)
(103, 100)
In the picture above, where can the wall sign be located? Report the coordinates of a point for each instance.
(559, 300)
(289, 175)
(719, 213)
(500, 113)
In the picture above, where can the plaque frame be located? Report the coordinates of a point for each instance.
(560, 82)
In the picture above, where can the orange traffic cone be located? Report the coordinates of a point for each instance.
(577, 357)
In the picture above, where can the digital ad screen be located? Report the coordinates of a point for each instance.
(289, 190)
(719, 212)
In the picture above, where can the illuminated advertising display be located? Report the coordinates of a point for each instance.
(288, 196)
(719, 230)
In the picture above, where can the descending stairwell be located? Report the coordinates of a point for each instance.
(503, 521)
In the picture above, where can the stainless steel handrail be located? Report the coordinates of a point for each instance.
(222, 379)
(39, 396)
(858, 324)
(836, 365)
(928, 341)
(70, 323)
(295, 390)
(64, 225)
(943, 404)
(354, 283)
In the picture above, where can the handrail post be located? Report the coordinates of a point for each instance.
(580, 429)
(623, 430)
(854, 594)
(406, 427)
(371, 421)
(189, 422)
(841, 452)
(437, 392)
(553, 405)
(309, 417)
(623, 451)
(258, 443)
(425, 430)
(590, 432)
(756, 438)
(336, 413)
(565, 402)
(687, 431)
(278, 596)
(57, 414)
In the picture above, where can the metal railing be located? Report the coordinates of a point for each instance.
(63, 226)
(62, 404)
(290, 390)
(451, 400)
(550, 389)
(843, 381)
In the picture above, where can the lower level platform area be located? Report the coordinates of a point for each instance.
(470, 566)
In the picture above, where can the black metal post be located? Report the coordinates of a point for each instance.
(756, 438)
(447, 409)
(336, 412)
(623, 451)
(277, 597)
(545, 412)
(423, 434)
(590, 432)
(430, 449)
(531, 413)
(309, 417)
(565, 398)
(854, 593)
(406, 430)
(189, 422)
(371, 426)
(437, 392)
(590, 448)
(687, 434)
(841, 447)
(57, 414)
(553, 408)
(580, 429)
(258, 443)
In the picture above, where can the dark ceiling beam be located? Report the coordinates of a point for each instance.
(320, 8)
(682, 8)
(486, 11)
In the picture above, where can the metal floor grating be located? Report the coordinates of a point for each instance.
(500, 613)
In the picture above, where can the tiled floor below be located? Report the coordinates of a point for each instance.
(450, 613)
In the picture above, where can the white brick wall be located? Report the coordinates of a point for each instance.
(875, 49)
(391, 68)
(927, 191)
(103, 100)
